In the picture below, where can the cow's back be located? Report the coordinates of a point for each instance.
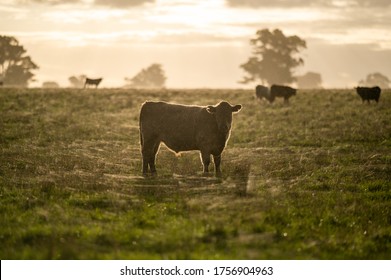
(368, 93)
(166, 116)
(175, 125)
(282, 91)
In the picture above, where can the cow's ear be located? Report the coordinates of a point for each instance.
(211, 109)
(236, 108)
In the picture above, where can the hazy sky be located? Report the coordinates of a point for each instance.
(199, 43)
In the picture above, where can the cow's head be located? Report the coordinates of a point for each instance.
(223, 114)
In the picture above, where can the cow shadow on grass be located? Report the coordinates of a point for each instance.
(236, 180)
(163, 187)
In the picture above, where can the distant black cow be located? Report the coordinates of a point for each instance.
(369, 93)
(185, 128)
(1, 83)
(95, 82)
(281, 91)
(262, 92)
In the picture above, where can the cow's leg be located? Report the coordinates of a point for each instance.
(149, 160)
(145, 165)
(205, 157)
(152, 158)
(145, 162)
(146, 156)
(149, 149)
(217, 161)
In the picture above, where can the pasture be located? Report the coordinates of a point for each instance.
(309, 180)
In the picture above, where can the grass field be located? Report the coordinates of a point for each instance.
(311, 180)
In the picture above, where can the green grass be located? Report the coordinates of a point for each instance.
(311, 180)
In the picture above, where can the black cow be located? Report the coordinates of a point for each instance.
(281, 91)
(95, 82)
(185, 128)
(369, 93)
(262, 92)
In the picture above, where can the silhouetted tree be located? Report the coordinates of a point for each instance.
(274, 58)
(77, 82)
(15, 65)
(151, 77)
(309, 80)
(375, 79)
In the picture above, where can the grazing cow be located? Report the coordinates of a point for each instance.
(263, 92)
(185, 128)
(281, 91)
(95, 82)
(369, 93)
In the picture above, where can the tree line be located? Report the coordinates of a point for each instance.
(274, 59)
